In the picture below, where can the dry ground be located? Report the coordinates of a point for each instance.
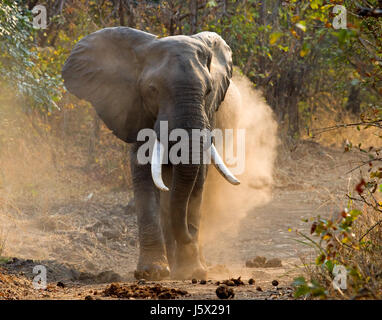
(89, 242)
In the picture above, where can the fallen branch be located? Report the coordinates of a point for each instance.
(369, 12)
(364, 163)
(370, 229)
(375, 207)
(376, 123)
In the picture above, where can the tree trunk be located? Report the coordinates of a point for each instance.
(354, 103)
(193, 16)
(130, 14)
(121, 13)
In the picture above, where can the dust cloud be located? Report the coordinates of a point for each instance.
(225, 205)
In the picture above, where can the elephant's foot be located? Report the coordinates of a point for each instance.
(188, 263)
(152, 268)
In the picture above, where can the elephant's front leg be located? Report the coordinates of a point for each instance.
(189, 262)
(152, 263)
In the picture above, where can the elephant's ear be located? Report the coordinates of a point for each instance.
(221, 64)
(103, 69)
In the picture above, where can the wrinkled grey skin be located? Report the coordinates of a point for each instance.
(133, 79)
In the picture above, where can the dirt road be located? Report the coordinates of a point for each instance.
(86, 244)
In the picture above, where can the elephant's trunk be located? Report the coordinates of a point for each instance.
(183, 181)
(184, 177)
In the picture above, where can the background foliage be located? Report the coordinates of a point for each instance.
(289, 49)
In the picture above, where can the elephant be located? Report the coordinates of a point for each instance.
(136, 80)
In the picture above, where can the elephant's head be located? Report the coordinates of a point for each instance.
(135, 80)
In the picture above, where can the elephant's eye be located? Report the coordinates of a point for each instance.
(153, 89)
(209, 62)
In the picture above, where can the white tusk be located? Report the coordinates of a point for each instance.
(156, 165)
(220, 166)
